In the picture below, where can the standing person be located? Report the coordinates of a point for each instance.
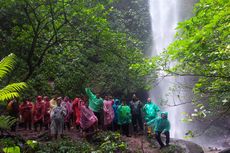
(46, 112)
(108, 112)
(67, 106)
(150, 110)
(115, 120)
(88, 120)
(26, 112)
(13, 110)
(124, 117)
(77, 111)
(57, 119)
(95, 104)
(161, 125)
(136, 107)
(38, 113)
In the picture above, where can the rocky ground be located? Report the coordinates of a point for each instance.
(135, 144)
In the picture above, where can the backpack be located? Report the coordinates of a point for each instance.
(58, 113)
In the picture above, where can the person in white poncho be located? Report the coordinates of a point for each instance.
(57, 119)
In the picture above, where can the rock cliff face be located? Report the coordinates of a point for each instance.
(216, 135)
(189, 146)
(225, 151)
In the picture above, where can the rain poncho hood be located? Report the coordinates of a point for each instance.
(160, 124)
(150, 109)
(165, 113)
(124, 114)
(95, 104)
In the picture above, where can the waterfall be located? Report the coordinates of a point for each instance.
(165, 15)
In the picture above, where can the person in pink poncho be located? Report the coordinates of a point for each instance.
(88, 121)
(108, 112)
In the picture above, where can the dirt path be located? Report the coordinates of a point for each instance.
(139, 144)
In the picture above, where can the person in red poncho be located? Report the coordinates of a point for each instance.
(38, 113)
(46, 112)
(77, 111)
(25, 110)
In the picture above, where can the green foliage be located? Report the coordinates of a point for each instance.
(15, 144)
(133, 18)
(202, 49)
(102, 142)
(108, 142)
(7, 64)
(6, 142)
(14, 149)
(11, 145)
(63, 146)
(6, 122)
(33, 144)
(70, 43)
(12, 90)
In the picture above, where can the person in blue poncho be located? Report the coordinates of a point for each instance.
(95, 104)
(115, 119)
(161, 125)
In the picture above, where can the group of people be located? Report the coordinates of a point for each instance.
(91, 113)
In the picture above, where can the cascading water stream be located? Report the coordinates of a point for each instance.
(165, 15)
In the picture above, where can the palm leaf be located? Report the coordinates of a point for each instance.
(7, 65)
(6, 122)
(11, 91)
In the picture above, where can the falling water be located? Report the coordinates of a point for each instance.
(165, 15)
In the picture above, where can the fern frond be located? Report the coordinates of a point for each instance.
(11, 91)
(6, 122)
(7, 65)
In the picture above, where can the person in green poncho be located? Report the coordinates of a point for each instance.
(161, 125)
(150, 110)
(124, 117)
(95, 104)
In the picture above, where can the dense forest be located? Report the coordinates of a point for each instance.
(63, 46)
